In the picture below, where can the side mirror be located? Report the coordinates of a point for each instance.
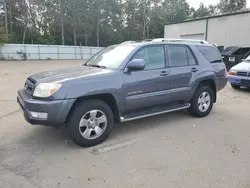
(136, 64)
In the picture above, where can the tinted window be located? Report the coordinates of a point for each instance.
(153, 57)
(177, 56)
(210, 53)
(191, 59)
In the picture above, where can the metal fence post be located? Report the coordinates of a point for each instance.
(58, 53)
(90, 52)
(75, 53)
(25, 51)
(81, 49)
(1, 55)
(39, 51)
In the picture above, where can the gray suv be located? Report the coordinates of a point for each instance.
(125, 82)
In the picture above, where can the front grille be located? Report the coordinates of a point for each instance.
(243, 74)
(245, 83)
(30, 86)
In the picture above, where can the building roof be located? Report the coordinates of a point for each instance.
(214, 16)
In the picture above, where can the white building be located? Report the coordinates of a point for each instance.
(223, 30)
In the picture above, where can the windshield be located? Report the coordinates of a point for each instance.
(111, 57)
(247, 59)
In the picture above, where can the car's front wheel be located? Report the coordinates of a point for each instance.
(235, 86)
(202, 102)
(90, 123)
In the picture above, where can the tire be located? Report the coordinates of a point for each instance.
(235, 86)
(195, 108)
(81, 127)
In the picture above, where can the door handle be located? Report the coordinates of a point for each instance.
(194, 69)
(164, 73)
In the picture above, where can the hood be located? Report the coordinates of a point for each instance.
(244, 66)
(63, 75)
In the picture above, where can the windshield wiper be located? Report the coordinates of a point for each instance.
(98, 66)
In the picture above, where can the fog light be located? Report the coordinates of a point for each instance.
(34, 114)
(39, 115)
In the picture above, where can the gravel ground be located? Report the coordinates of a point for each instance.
(172, 150)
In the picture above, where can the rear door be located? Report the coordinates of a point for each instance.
(150, 86)
(183, 68)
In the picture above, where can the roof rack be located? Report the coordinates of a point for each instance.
(147, 40)
(128, 42)
(179, 40)
(168, 40)
(137, 41)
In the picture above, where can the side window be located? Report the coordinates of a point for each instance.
(177, 56)
(191, 59)
(153, 57)
(211, 53)
(139, 55)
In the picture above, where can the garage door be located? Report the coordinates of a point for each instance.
(199, 36)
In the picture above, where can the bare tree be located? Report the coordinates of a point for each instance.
(10, 12)
(147, 13)
(74, 24)
(32, 17)
(25, 21)
(6, 19)
(62, 20)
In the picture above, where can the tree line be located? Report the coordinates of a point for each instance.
(97, 22)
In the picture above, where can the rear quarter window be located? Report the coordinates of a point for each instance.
(211, 53)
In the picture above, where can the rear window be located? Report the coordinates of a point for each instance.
(210, 53)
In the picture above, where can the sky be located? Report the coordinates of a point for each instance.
(196, 3)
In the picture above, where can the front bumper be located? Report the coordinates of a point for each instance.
(239, 80)
(57, 110)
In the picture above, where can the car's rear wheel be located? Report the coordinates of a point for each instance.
(235, 86)
(202, 102)
(90, 123)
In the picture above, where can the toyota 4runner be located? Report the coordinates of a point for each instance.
(125, 82)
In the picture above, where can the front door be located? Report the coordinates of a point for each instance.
(150, 86)
(184, 69)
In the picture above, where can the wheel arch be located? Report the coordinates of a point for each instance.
(211, 83)
(108, 98)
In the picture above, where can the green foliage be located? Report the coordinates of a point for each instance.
(3, 38)
(39, 21)
(230, 6)
(203, 11)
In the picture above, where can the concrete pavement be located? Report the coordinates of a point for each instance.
(172, 150)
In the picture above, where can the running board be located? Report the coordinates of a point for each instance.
(153, 112)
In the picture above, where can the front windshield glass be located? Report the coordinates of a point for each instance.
(248, 59)
(111, 57)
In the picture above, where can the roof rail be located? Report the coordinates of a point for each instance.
(179, 40)
(167, 40)
(128, 42)
(147, 40)
(137, 41)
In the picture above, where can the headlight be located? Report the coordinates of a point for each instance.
(46, 89)
(232, 72)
